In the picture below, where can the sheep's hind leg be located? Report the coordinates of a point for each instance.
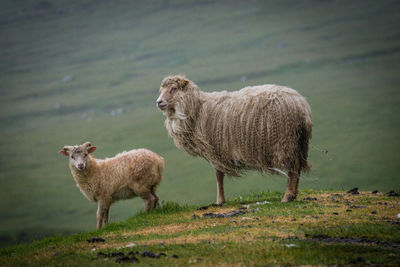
(292, 187)
(220, 187)
(106, 216)
(155, 202)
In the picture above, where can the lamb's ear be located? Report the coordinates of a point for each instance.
(86, 144)
(91, 149)
(65, 151)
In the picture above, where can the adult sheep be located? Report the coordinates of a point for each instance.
(265, 128)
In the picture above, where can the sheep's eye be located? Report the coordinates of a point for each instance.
(85, 155)
(172, 90)
(72, 157)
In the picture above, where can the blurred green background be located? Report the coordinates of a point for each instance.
(75, 71)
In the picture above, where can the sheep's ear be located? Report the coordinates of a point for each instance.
(63, 152)
(184, 82)
(91, 149)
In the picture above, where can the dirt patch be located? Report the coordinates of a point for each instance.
(361, 241)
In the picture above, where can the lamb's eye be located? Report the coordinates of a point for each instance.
(172, 90)
(85, 155)
(72, 157)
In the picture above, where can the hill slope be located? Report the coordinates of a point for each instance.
(323, 228)
(74, 71)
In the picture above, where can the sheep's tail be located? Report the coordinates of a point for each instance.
(305, 136)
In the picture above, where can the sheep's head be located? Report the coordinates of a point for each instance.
(78, 155)
(171, 88)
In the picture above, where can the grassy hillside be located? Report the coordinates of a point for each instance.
(75, 71)
(323, 228)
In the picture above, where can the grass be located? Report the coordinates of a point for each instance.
(309, 231)
(67, 66)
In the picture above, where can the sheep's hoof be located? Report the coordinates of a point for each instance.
(220, 203)
(288, 198)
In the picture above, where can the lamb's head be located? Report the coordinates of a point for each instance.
(78, 155)
(171, 90)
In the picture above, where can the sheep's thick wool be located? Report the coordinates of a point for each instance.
(258, 127)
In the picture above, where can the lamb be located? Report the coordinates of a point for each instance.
(265, 128)
(131, 173)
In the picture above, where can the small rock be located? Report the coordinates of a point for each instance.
(373, 212)
(375, 191)
(130, 245)
(392, 193)
(357, 207)
(116, 254)
(175, 256)
(398, 216)
(93, 249)
(194, 216)
(353, 191)
(203, 208)
(96, 240)
(147, 253)
(348, 210)
(263, 203)
(310, 198)
(335, 213)
(224, 215)
(195, 260)
(126, 259)
(160, 254)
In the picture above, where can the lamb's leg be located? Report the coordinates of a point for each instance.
(292, 187)
(220, 187)
(149, 201)
(102, 212)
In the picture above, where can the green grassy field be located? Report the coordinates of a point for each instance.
(75, 71)
(322, 228)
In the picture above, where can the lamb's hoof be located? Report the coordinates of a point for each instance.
(288, 198)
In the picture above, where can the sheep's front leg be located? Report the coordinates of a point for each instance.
(102, 213)
(292, 187)
(220, 187)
